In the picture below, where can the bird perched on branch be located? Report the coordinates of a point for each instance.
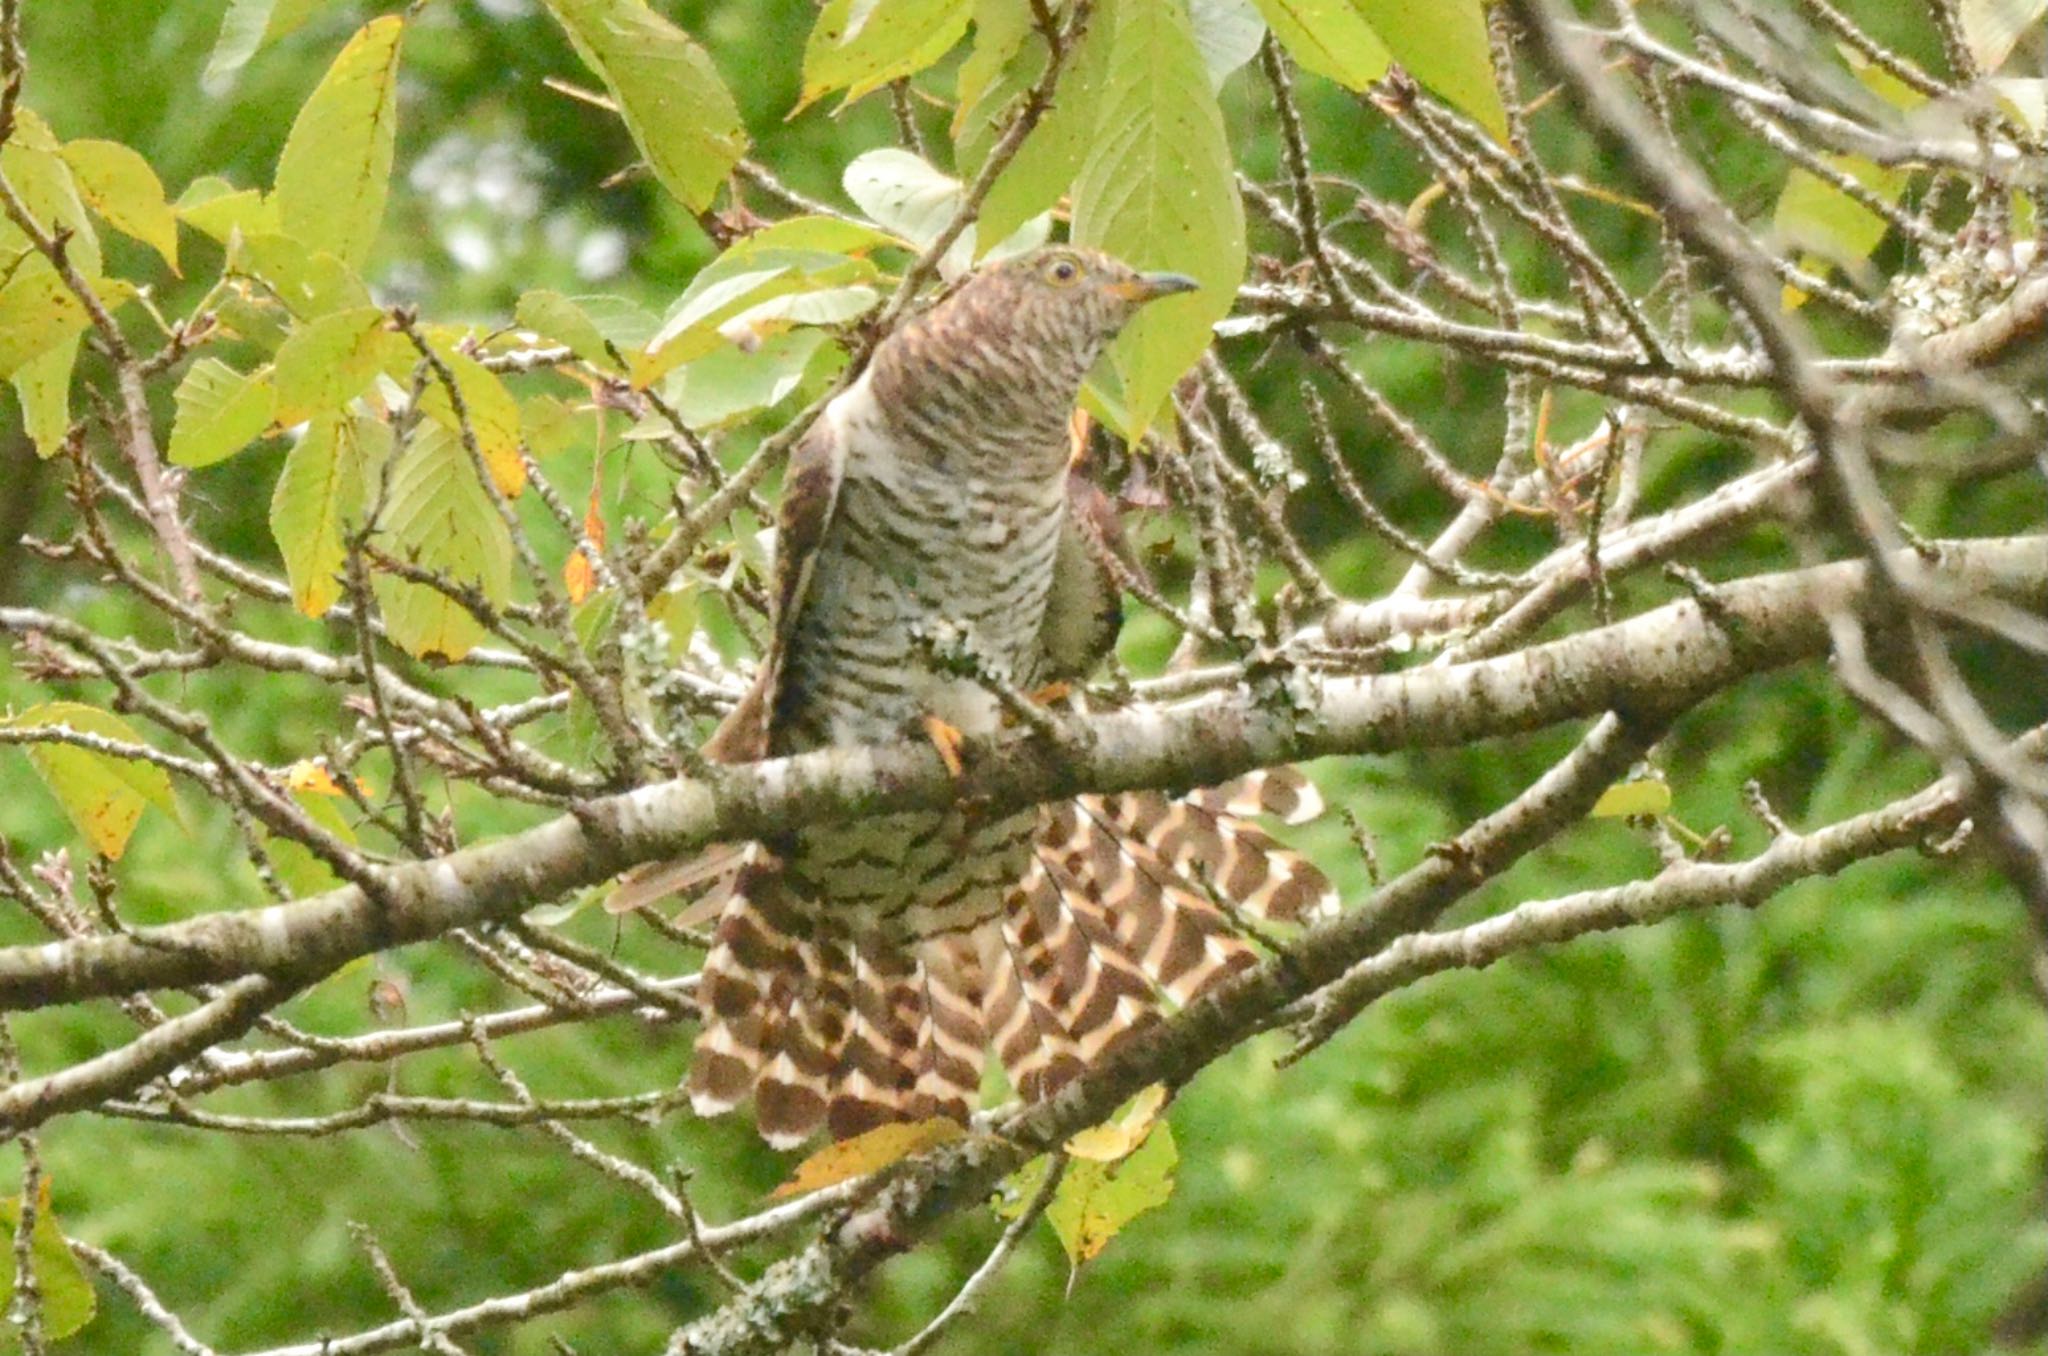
(932, 545)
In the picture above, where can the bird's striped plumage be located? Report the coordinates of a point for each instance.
(863, 971)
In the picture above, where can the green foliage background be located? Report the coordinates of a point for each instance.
(1816, 1127)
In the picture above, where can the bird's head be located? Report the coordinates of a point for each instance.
(1065, 295)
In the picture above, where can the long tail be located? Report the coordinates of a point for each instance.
(1116, 918)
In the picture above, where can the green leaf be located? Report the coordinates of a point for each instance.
(743, 277)
(2025, 99)
(1442, 43)
(548, 424)
(319, 490)
(244, 29)
(43, 385)
(68, 1299)
(330, 361)
(303, 873)
(336, 166)
(679, 112)
(220, 412)
(118, 183)
(104, 795)
(902, 193)
(559, 320)
(1330, 38)
(311, 283)
(1052, 154)
(1095, 1201)
(32, 162)
(1992, 28)
(1626, 800)
(1227, 33)
(861, 45)
(438, 517)
(216, 208)
(1000, 30)
(1160, 192)
(1815, 217)
(729, 383)
(493, 415)
(38, 312)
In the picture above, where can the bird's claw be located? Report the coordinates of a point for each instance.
(947, 739)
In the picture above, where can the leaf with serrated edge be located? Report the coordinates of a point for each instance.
(335, 171)
(68, 1300)
(1158, 190)
(103, 795)
(1443, 44)
(1116, 1138)
(559, 320)
(319, 490)
(869, 1152)
(493, 416)
(1330, 38)
(38, 311)
(1094, 1201)
(667, 90)
(119, 184)
(330, 361)
(220, 412)
(43, 385)
(859, 47)
(438, 517)
(1624, 800)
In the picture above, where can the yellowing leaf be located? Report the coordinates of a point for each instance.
(320, 488)
(304, 873)
(1328, 37)
(118, 183)
(861, 45)
(1112, 1140)
(438, 517)
(311, 283)
(336, 166)
(1096, 1200)
(1816, 217)
(679, 112)
(1624, 800)
(67, 1294)
(870, 1152)
(1442, 43)
(103, 794)
(220, 411)
(43, 385)
(1160, 193)
(330, 361)
(38, 312)
(493, 416)
(579, 576)
(311, 775)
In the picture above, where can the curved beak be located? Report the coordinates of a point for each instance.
(1152, 286)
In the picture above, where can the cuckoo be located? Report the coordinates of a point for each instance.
(863, 971)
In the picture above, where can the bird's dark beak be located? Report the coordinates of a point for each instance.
(1152, 286)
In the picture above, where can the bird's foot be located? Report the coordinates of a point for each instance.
(947, 739)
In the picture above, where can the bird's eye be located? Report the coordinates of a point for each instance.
(1062, 271)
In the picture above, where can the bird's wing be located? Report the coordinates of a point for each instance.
(1083, 610)
(810, 495)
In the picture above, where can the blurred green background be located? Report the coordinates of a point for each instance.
(1816, 1127)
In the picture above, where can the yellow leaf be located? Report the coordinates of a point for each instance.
(577, 576)
(1625, 800)
(118, 183)
(310, 774)
(1112, 1140)
(863, 1154)
(493, 416)
(335, 169)
(103, 794)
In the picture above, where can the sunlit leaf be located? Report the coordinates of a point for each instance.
(311, 283)
(319, 490)
(2026, 99)
(679, 112)
(861, 45)
(68, 1301)
(330, 361)
(1328, 37)
(119, 184)
(1442, 43)
(1817, 218)
(215, 207)
(438, 517)
(1050, 157)
(43, 386)
(1116, 1138)
(1161, 193)
(900, 191)
(1000, 30)
(103, 794)
(869, 1152)
(38, 312)
(1992, 28)
(335, 170)
(559, 320)
(736, 281)
(244, 29)
(302, 872)
(220, 411)
(1625, 800)
(493, 416)
(731, 382)
(44, 182)
(1095, 1201)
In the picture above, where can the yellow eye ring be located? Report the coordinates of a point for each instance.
(1062, 272)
